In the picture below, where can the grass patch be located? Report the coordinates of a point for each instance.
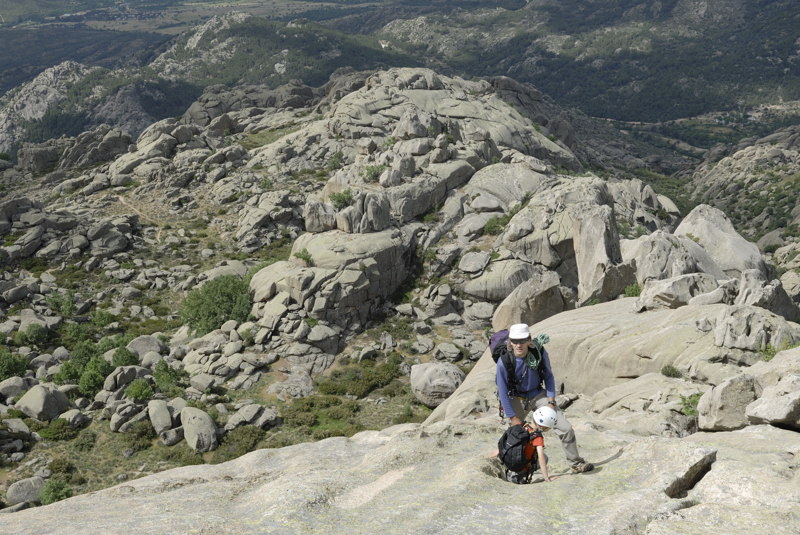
(266, 137)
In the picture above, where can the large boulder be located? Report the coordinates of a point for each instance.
(25, 490)
(433, 382)
(533, 300)
(778, 404)
(674, 292)
(662, 255)
(712, 229)
(199, 430)
(754, 289)
(43, 402)
(723, 407)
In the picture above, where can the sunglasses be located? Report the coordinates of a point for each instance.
(519, 342)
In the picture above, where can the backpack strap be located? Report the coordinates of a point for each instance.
(508, 361)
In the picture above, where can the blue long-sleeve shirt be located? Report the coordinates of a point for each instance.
(528, 382)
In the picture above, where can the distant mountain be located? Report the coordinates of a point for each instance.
(629, 60)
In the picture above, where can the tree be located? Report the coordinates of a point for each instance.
(219, 300)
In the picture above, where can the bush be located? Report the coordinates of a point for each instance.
(237, 442)
(305, 256)
(58, 429)
(669, 370)
(216, 302)
(62, 304)
(634, 290)
(372, 172)
(140, 436)
(62, 468)
(72, 334)
(342, 199)
(85, 440)
(124, 357)
(34, 334)
(139, 390)
(359, 380)
(11, 365)
(166, 378)
(689, 404)
(336, 161)
(93, 376)
(102, 318)
(54, 490)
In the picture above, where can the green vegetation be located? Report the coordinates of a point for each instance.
(689, 404)
(217, 301)
(668, 370)
(265, 137)
(34, 335)
(335, 162)
(496, 224)
(237, 442)
(94, 375)
(342, 199)
(58, 429)
(139, 390)
(11, 365)
(305, 256)
(633, 290)
(54, 490)
(140, 436)
(167, 379)
(371, 173)
(124, 357)
(360, 379)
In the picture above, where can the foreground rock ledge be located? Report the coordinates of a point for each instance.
(437, 478)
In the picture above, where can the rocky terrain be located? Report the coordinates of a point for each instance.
(412, 195)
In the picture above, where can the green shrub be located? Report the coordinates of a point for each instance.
(342, 199)
(72, 334)
(495, 225)
(336, 161)
(94, 375)
(166, 378)
(181, 455)
(406, 416)
(139, 390)
(216, 302)
(11, 365)
(668, 370)
(64, 469)
(124, 357)
(140, 435)
(61, 465)
(58, 429)
(102, 318)
(62, 304)
(237, 442)
(634, 290)
(54, 490)
(34, 334)
(360, 379)
(689, 404)
(371, 173)
(305, 256)
(85, 440)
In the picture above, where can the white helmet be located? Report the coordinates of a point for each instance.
(545, 417)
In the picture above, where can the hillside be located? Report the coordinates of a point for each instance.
(275, 267)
